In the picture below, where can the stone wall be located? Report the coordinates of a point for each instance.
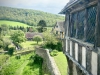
(48, 61)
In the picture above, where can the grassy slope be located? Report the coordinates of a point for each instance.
(19, 71)
(61, 62)
(12, 23)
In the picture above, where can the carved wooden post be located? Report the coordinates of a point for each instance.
(97, 29)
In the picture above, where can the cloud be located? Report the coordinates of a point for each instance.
(52, 6)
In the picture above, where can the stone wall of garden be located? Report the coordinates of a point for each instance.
(49, 62)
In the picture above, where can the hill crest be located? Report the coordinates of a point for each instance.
(28, 16)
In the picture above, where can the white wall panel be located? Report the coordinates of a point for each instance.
(66, 45)
(94, 63)
(84, 57)
(71, 48)
(76, 51)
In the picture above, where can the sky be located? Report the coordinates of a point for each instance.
(51, 6)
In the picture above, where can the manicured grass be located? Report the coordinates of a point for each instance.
(12, 23)
(29, 44)
(61, 62)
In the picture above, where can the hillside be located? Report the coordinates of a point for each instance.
(28, 16)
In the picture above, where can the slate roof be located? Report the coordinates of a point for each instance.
(69, 5)
(32, 34)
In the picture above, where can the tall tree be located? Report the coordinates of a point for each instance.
(49, 39)
(4, 29)
(18, 37)
(41, 25)
(37, 38)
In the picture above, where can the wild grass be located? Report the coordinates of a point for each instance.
(13, 64)
(61, 62)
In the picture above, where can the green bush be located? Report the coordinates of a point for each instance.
(18, 56)
(54, 53)
(59, 46)
(11, 51)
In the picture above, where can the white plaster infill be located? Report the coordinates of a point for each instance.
(94, 63)
(71, 48)
(84, 57)
(76, 51)
(66, 45)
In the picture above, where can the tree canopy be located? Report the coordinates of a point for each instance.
(41, 26)
(42, 23)
(28, 16)
(18, 36)
(37, 38)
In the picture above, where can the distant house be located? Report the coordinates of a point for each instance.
(30, 35)
(59, 30)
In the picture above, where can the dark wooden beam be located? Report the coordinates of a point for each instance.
(76, 35)
(97, 29)
(85, 25)
(70, 24)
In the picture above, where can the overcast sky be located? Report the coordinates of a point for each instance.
(51, 6)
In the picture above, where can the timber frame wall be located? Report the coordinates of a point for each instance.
(83, 50)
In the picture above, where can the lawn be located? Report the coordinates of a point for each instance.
(12, 23)
(61, 62)
(30, 44)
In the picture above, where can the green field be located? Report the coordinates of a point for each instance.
(62, 64)
(12, 23)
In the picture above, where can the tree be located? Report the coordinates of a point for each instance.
(41, 25)
(4, 29)
(50, 40)
(6, 43)
(18, 37)
(1, 43)
(11, 51)
(37, 38)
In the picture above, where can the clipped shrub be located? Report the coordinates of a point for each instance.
(54, 53)
(59, 46)
(11, 50)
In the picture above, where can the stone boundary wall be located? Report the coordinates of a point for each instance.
(48, 60)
